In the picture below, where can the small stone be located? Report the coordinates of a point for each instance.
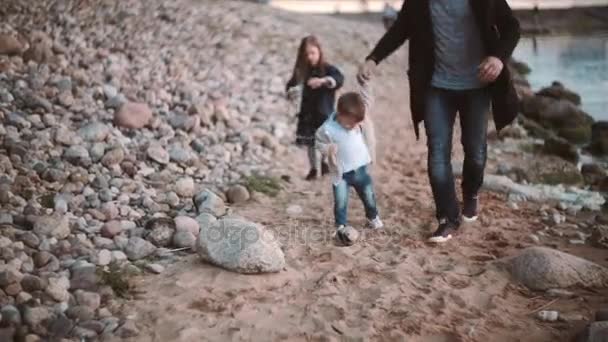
(155, 268)
(94, 132)
(32, 338)
(138, 248)
(104, 257)
(109, 91)
(10, 315)
(560, 293)
(294, 210)
(133, 115)
(58, 289)
(32, 283)
(187, 224)
(36, 317)
(158, 154)
(30, 239)
(185, 187)
(548, 315)
(13, 289)
(61, 326)
(95, 326)
(89, 299)
(118, 256)
(84, 277)
(42, 258)
(111, 229)
(128, 330)
(184, 239)
(209, 202)
(10, 276)
(10, 45)
(238, 194)
(81, 313)
(113, 157)
(534, 239)
(57, 226)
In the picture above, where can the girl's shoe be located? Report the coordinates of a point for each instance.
(312, 175)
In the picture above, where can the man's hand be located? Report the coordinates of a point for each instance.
(366, 71)
(316, 82)
(489, 69)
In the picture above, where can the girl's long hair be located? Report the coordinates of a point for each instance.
(302, 69)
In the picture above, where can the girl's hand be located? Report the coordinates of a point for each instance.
(316, 82)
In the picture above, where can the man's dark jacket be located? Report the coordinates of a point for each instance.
(499, 31)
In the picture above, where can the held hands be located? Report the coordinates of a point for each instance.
(490, 69)
(366, 71)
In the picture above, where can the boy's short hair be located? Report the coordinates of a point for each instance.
(351, 104)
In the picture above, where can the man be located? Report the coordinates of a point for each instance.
(457, 55)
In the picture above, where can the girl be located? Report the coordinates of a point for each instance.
(320, 80)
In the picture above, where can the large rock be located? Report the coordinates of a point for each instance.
(240, 246)
(595, 332)
(561, 147)
(599, 237)
(541, 268)
(599, 138)
(57, 226)
(562, 116)
(133, 115)
(209, 202)
(559, 92)
(10, 45)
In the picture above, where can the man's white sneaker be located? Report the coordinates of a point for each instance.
(376, 223)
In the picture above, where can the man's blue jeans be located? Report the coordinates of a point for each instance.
(441, 108)
(362, 182)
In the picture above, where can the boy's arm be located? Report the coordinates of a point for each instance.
(366, 93)
(370, 136)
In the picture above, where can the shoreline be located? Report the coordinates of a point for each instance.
(550, 21)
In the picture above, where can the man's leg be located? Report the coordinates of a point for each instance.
(341, 203)
(473, 110)
(364, 186)
(441, 107)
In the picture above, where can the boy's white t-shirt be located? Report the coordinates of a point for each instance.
(352, 149)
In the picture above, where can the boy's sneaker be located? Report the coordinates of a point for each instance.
(376, 223)
(312, 175)
(324, 168)
(470, 209)
(444, 232)
(347, 235)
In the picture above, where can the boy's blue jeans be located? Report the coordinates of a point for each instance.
(473, 107)
(362, 182)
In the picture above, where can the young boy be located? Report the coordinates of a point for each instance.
(347, 139)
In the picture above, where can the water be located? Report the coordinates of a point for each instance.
(579, 62)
